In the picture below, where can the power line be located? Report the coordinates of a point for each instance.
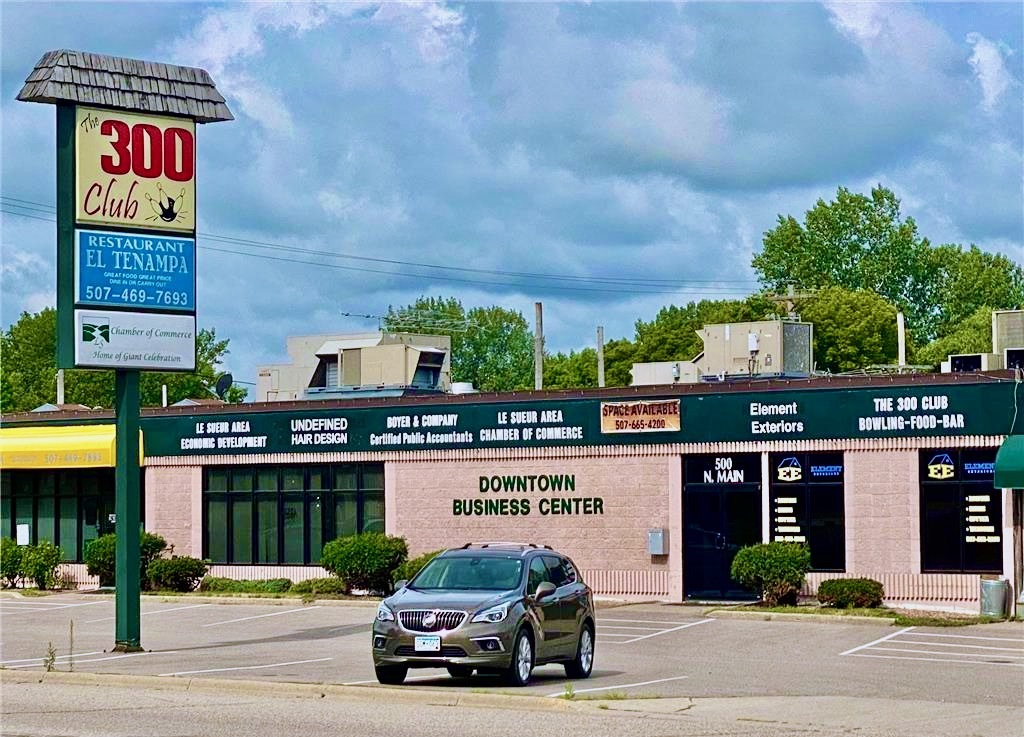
(662, 286)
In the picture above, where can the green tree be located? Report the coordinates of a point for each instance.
(852, 329)
(672, 334)
(575, 370)
(492, 347)
(861, 243)
(971, 335)
(28, 366)
(619, 356)
(972, 279)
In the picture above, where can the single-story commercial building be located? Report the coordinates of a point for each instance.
(651, 490)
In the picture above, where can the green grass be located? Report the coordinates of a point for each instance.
(903, 617)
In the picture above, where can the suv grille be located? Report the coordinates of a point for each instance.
(413, 619)
(447, 651)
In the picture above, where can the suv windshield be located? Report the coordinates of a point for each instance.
(470, 573)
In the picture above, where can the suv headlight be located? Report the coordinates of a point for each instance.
(492, 615)
(384, 614)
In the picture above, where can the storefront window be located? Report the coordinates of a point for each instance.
(961, 512)
(807, 505)
(286, 515)
(66, 507)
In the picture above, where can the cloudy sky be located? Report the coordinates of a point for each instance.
(606, 159)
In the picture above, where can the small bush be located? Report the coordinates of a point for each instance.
(318, 586)
(411, 567)
(367, 561)
(100, 556)
(177, 573)
(849, 592)
(776, 570)
(10, 562)
(214, 584)
(39, 563)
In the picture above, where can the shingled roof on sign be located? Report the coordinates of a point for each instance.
(65, 76)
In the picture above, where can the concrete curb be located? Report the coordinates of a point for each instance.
(294, 690)
(793, 617)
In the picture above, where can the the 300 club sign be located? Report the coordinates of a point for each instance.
(135, 170)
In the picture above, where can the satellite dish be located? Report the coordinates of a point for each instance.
(223, 384)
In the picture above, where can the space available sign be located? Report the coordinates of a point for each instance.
(134, 340)
(135, 270)
(135, 170)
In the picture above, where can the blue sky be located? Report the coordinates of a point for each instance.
(642, 149)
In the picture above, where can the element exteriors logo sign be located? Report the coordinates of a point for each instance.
(96, 331)
(790, 470)
(941, 467)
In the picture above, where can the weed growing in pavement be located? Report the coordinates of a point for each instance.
(51, 657)
(570, 692)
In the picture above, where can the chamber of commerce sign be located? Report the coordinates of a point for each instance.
(135, 170)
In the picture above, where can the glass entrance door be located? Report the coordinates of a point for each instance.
(721, 514)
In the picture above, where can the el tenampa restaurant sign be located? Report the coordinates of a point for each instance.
(938, 411)
(134, 248)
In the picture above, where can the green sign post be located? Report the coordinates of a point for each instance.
(126, 214)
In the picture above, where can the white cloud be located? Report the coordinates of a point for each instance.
(988, 60)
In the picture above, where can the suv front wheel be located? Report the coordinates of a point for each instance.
(391, 675)
(518, 673)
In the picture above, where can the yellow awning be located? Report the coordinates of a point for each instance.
(69, 446)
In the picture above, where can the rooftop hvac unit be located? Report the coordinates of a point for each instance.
(1007, 330)
(1013, 358)
(967, 362)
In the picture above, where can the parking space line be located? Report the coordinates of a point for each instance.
(957, 644)
(875, 642)
(665, 632)
(408, 678)
(601, 620)
(112, 657)
(260, 616)
(969, 637)
(937, 660)
(602, 633)
(146, 614)
(22, 609)
(626, 627)
(613, 688)
(245, 667)
(59, 657)
(943, 652)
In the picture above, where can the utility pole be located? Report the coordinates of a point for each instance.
(60, 387)
(538, 346)
(600, 355)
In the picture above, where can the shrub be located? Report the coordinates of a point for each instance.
(39, 563)
(317, 586)
(848, 592)
(214, 584)
(177, 573)
(367, 561)
(411, 567)
(10, 562)
(100, 555)
(776, 570)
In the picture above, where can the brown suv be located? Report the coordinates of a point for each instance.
(491, 608)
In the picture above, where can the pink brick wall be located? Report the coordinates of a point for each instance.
(883, 531)
(171, 494)
(634, 491)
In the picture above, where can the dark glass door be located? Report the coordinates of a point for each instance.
(721, 514)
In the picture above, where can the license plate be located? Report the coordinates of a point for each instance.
(428, 644)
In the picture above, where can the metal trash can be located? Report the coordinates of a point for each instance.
(993, 597)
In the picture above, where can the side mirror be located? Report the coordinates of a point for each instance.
(399, 585)
(544, 590)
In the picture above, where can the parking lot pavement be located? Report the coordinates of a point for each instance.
(943, 646)
(642, 650)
